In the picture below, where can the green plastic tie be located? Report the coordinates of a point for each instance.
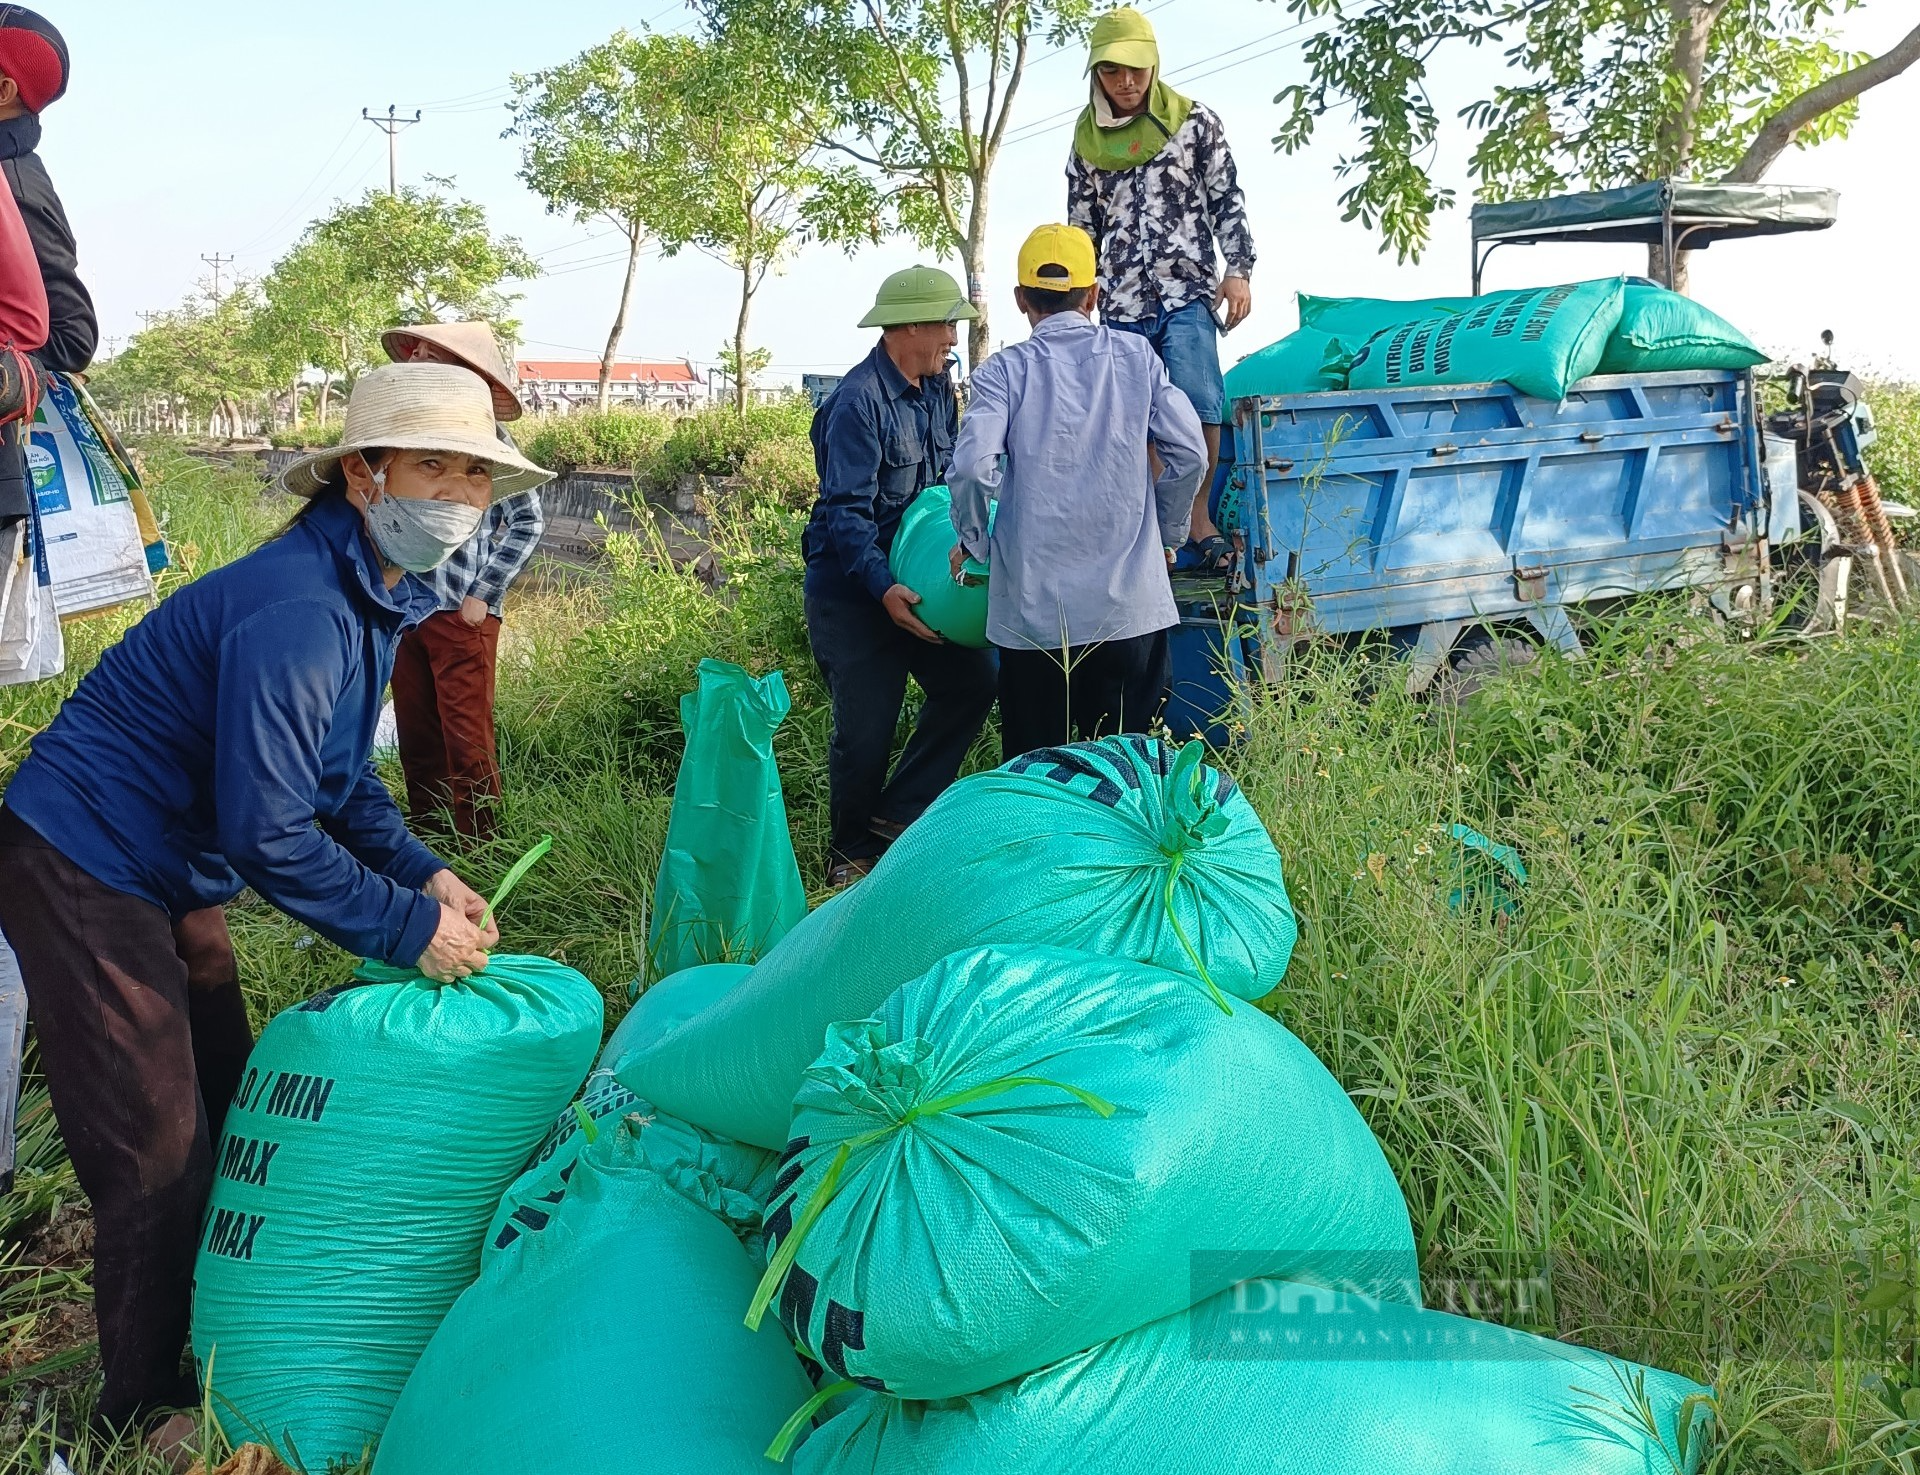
(790, 1432)
(587, 1123)
(1193, 953)
(514, 878)
(822, 1195)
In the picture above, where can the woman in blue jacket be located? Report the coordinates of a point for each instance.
(224, 743)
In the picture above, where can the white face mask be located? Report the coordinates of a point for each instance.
(418, 534)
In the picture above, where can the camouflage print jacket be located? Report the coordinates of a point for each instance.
(1155, 226)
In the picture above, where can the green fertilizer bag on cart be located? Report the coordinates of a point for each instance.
(1028, 1151)
(372, 1135)
(921, 558)
(608, 1342)
(1122, 846)
(1541, 341)
(1306, 362)
(1278, 1379)
(728, 887)
(1661, 330)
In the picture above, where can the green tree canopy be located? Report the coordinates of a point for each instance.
(433, 258)
(604, 139)
(919, 94)
(1598, 93)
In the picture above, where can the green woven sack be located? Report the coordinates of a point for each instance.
(1031, 1150)
(1541, 341)
(728, 887)
(1306, 362)
(742, 1176)
(1113, 847)
(670, 1003)
(1357, 319)
(609, 1342)
(1661, 330)
(922, 559)
(369, 1142)
(1339, 1386)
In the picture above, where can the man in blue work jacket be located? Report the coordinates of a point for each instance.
(882, 437)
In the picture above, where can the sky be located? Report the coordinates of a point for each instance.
(221, 127)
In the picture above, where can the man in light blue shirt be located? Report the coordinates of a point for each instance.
(1057, 432)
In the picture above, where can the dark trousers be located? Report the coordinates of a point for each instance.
(443, 682)
(143, 1037)
(866, 659)
(1116, 686)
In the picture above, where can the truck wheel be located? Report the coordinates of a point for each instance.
(1480, 659)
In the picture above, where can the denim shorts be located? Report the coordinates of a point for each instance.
(1188, 342)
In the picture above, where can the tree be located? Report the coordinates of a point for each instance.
(604, 140)
(1603, 93)
(888, 69)
(758, 182)
(317, 312)
(199, 359)
(432, 258)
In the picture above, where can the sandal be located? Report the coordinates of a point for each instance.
(840, 877)
(1211, 555)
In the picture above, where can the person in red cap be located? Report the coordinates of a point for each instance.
(33, 74)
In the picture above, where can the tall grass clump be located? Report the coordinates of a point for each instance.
(1670, 1090)
(1895, 457)
(612, 440)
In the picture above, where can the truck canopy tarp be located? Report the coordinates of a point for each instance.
(1702, 213)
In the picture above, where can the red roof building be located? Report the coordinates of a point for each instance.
(559, 384)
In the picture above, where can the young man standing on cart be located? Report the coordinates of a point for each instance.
(1152, 181)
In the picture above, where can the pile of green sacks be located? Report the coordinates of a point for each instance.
(1542, 340)
(989, 1165)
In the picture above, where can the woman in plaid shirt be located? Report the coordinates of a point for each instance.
(443, 676)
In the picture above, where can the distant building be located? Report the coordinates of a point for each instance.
(557, 386)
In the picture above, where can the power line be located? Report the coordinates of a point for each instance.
(391, 126)
(300, 198)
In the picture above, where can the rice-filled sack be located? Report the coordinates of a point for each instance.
(1306, 362)
(1356, 319)
(1661, 330)
(607, 1342)
(369, 1143)
(921, 558)
(1541, 341)
(743, 1175)
(669, 1004)
(1029, 1150)
(1277, 1380)
(1118, 847)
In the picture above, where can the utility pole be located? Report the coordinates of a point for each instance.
(113, 344)
(216, 261)
(391, 126)
(146, 318)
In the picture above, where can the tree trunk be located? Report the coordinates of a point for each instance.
(326, 393)
(1779, 130)
(979, 343)
(634, 236)
(740, 342)
(1682, 268)
(1693, 33)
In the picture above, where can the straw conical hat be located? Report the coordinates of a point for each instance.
(419, 407)
(473, 345)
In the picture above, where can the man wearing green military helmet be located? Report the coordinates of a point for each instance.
(883, 436)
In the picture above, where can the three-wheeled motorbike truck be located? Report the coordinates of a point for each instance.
(1456, 518)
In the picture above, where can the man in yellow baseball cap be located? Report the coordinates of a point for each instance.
(1084, 528)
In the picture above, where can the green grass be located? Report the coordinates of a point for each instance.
(1679, 1080)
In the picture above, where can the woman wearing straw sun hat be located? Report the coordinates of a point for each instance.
(224, 743)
